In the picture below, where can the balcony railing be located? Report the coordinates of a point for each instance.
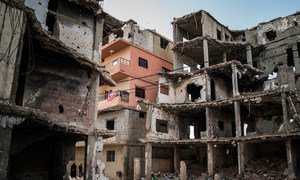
(120, 60)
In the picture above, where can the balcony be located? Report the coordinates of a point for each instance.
(113, 98)
(118, 68)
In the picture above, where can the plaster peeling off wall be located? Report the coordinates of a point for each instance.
(40, 8)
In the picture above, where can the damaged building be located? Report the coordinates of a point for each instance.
(134, 57)
(232, 101)
(49, 80)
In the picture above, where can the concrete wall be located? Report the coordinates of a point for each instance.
(181, 88)
(75, 27)
(11, 34)
(128, 125)
(172, 119)
(40, 9)
(215, 115)
(112, 167)
(49, 89)
(210, 27)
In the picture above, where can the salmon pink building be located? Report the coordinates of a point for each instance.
(134, 69)
(133, 57)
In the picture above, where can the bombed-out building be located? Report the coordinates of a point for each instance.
(49, 80)
(232, 100)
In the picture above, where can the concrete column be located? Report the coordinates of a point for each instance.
(5, 141)
(241, 157)
(177, 63)
(296, 58)
(176, 159)
(95, 166)
(209, 126)
(208, 87)
(235, 87)
(210, 158)
(291, 156)
(237, 117)
(148, 161)
(284, 108)
(249, 55)
(99, 23)
(224, 57)
(206, 53)
(177, 34)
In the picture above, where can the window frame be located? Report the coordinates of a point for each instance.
(107, 124)
(142, 62)
(137, 94)
(110, 156)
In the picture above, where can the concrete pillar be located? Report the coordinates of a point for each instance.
(291, 157)
(206, 53)
(224, 57)
(148, 161)
(177, 34)
(94, 165)
(177, 63)
(208, 87)
(99, 23)
(176, 159)
(235, 87)
(284, 108)
(182, 174)
(209, 126)
(210, 158)
(237, 117)
(5, 141)
(249, 55)
(296, 58)
(241, 157)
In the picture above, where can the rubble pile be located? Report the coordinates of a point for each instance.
(265, 168)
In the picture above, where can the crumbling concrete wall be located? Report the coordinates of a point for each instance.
(181, 95)
(75, 27)
(12, 23)
(154, 114)
(166, 98)
(68, 99)
(278, 36)
(220, 122)
(211, 26)
(223, 87)
(40, 9)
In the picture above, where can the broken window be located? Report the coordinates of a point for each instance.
(164, 89)
(142, 115)
(163, 43)
(110, 156)
(125, 96)
(194, 92)
(139, 92)
(161, 126)
(110, 124)
(221, 125)
(143, 63)
(219, 35)
(271, 35)
(213, 90)
(290, 57)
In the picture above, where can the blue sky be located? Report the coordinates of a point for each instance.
(236, 14)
